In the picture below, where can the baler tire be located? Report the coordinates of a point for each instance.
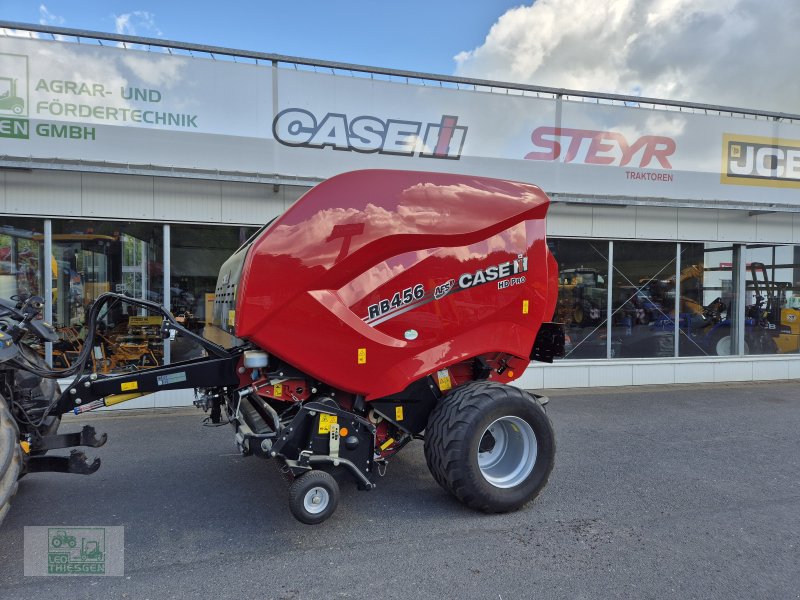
(307, 487)
(456, 430)
(10, 458)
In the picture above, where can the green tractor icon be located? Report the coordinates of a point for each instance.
(61, 539)
(8, 96)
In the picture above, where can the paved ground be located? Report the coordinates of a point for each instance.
(660, 492)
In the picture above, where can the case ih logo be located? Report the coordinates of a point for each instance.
(601, 148)
(750, 160)
(299, 127)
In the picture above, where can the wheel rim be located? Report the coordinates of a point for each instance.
(507, 452)
(724, 346)
(316, 500)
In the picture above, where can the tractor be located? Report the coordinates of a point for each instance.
(383, 307)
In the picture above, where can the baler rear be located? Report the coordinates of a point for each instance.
(381, 305)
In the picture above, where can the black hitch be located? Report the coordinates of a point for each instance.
(86, 437)
(76, 463)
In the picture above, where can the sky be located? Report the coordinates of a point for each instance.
(728, 52)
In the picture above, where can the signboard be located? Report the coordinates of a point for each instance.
(113, 105)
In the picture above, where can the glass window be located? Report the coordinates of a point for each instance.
(643, 299)
(196, 255)
(582, 295)
(94, 257)
(707, 300)
(21, 266)
(772, 299)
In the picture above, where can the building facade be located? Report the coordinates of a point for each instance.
(138, 166)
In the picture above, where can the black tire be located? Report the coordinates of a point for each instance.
(306, 489)
(458, 427)
(10, 458)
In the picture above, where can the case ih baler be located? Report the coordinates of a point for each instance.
(382, 307)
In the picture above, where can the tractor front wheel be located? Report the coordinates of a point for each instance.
(313, 497)
(490, 445)
(10, 458)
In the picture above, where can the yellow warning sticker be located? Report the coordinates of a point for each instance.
(277, 389)
(126, 386)
(231, 317)
(444, 380)
(325, 422)
(398, 413)
(387, 443)
(144, 321)
(524, 307)
(362, 356)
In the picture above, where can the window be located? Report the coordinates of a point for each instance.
(582, 295)
(643, 306)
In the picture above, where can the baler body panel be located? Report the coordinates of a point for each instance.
(374, 279)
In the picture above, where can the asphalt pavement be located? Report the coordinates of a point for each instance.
(658, 492)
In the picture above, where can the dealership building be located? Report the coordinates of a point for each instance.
(139, 165)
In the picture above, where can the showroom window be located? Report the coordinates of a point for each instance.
(196, 254)
(93, 257)
(708, 284)
(20, 257)
(772, 299)
(643, 300)
(582, 295)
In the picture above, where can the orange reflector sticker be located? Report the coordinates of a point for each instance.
(510, 373)
(343, 431)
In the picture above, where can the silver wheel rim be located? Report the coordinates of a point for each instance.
(724, 346)
(316, 500)
(507, 452)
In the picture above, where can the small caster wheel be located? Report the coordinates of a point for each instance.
(313, 497)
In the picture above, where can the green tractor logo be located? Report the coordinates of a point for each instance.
(9, 100)
(76, 551)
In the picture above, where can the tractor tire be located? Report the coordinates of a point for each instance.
(10, 458)
(490, 445)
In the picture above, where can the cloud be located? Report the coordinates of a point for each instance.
(48, 18)
(730, 52)
(137, 22)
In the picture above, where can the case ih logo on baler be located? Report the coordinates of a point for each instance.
(301, 128)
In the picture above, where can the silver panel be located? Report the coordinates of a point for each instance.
(250, 202)
(43, 193)
(117, 196)
(187, 200)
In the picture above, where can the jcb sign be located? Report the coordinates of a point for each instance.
(750, 160)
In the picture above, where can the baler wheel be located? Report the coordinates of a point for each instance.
(313, 497)
(490, 445)
(10, 458)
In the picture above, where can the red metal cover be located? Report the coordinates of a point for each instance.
(374, 279)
